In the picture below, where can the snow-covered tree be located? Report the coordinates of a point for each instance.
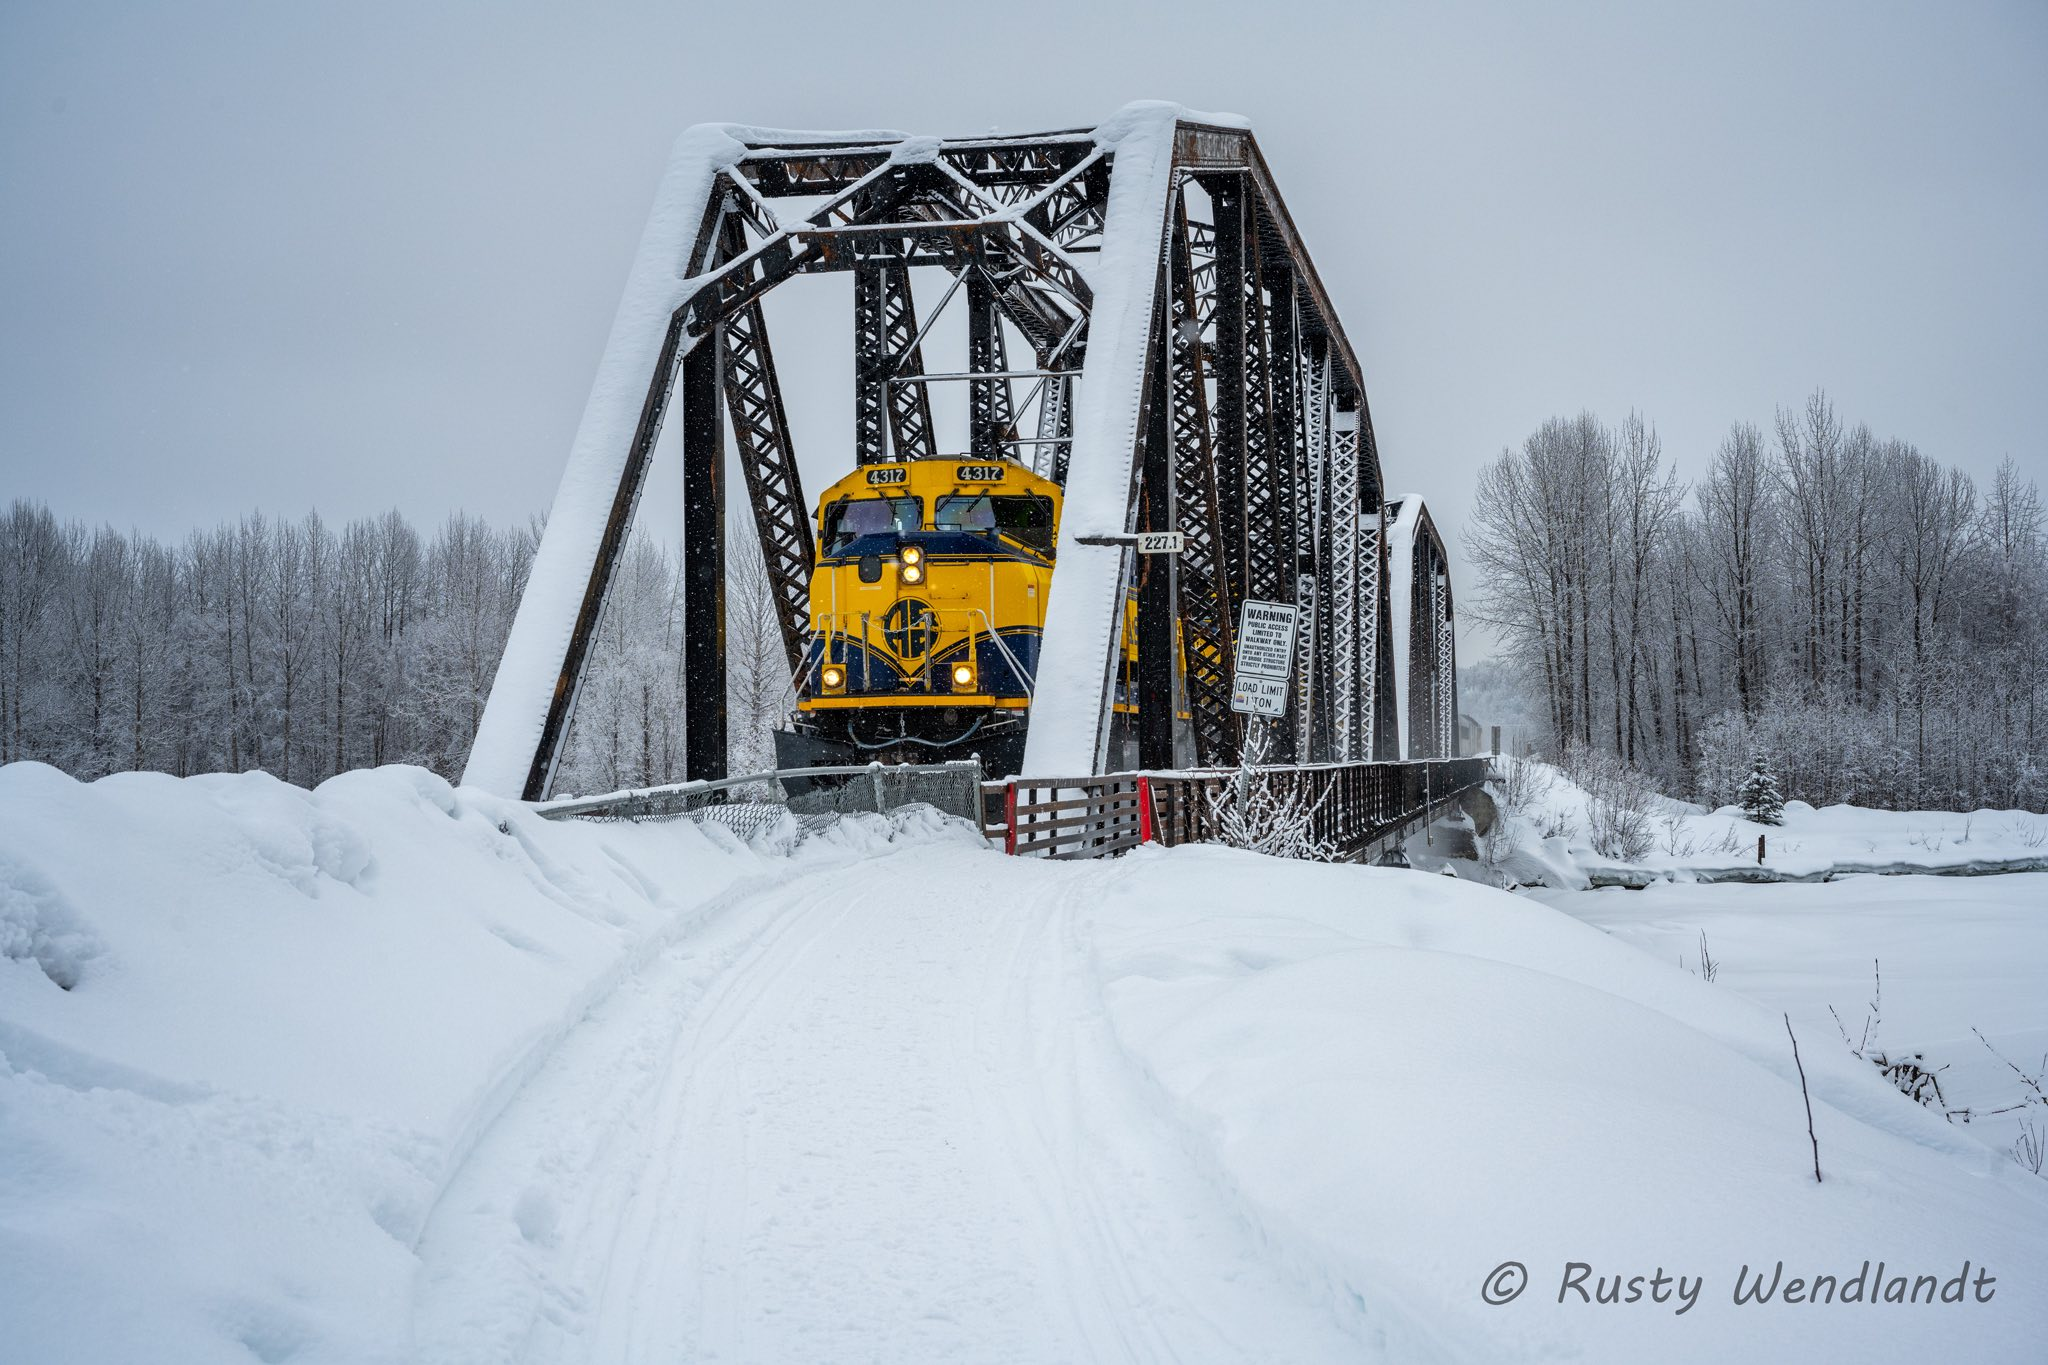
(1862, 611)
(1269, 810)
(1759, 796)
(759, 694)
(1864, 614)
(34, 572)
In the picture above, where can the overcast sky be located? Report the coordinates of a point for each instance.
(355, 256)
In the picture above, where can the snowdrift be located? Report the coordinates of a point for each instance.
(250, 1037)
(1413, 1080)
(1945, 968)
(248, 1032)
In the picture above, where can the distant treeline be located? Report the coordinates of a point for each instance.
(1869, 619)
(1866, 617)
(304, 649)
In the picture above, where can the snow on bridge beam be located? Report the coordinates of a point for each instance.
(526, 719)
(1076, 228)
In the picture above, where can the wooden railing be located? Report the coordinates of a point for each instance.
(1355, 808)
(1070, 817)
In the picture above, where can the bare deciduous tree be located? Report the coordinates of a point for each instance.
(1848, 604)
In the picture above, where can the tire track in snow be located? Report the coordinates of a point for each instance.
(884, 1120)
(503, 1272)
(1196, 1276)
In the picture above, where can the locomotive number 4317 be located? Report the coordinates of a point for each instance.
(979, 473)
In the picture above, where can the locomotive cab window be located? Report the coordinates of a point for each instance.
(1025, 519)
(848, 519)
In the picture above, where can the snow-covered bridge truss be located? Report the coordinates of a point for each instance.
(1186, 371)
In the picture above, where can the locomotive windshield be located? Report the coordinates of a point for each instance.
(849, 519)
(1027, 520)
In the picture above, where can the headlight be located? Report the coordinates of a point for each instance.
(963, 677)
(913, 573)
(913, 555)
(834, 677)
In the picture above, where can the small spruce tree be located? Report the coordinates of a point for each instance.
(1759, 796)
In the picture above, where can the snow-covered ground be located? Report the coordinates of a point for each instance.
(291, 1018)
(390, 1071)
(1936, 956)
(1553, 841)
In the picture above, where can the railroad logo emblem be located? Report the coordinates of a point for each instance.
(910, 628)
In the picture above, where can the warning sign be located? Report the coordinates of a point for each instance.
(1265, 658)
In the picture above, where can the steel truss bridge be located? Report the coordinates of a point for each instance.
(1144, 325)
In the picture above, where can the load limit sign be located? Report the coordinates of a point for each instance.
(1265, 658)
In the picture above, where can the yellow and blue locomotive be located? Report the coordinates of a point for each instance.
(927, 607)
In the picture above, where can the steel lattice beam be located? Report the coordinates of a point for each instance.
(1446, 684)
(1431, 658)
(1155, 575)
(1346, 545)
(888, 359)
(1312, 522)
(903, 216)
(1055, 444)
(760, 430)
(1287, 458)
(1331, 526)
(1268, 558)
(910, 406)
(1233, 383)
(1204, 580)
(991, 423)
(1386, 718)
(1275, 495)
(870, 368)
(1366, 661)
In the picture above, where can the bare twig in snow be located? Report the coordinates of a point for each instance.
(2033, 1082)
(1847, 1041)
(2031, 1146)
(1805, 1096)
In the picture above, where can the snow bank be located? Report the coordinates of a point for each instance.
(392, 1071)
(248, 1031)
(1957, 956)
(1411, 1080)
(1691, 843)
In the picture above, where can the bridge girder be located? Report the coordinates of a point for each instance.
(1251, 432)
